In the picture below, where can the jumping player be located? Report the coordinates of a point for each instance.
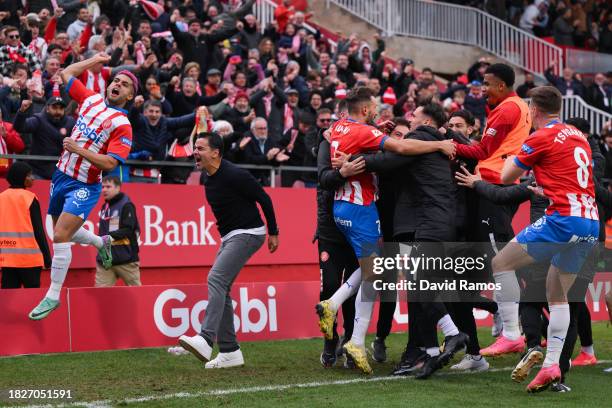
(560, 157)
(355, 211)
(100, 139)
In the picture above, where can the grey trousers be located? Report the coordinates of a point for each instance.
(218, 322)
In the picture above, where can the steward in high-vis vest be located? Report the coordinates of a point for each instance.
(118, 219)
(508, 125)
(23, 244)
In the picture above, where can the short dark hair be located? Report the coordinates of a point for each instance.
(8, 29)
(357, 97)
(17, 67)
(342, 105)
(546, 98)
(152, 102)
(112, 179)
(466, 115)
(323, 111)
(502, 71)
(194, 21)
(581, 124)
(215, 141)
(399, 121)
(427, 69)
(306, 118)
(436, 113)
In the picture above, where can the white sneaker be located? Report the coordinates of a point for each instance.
(226, 360)
(471, 363)
(197, 346)
(498, 325)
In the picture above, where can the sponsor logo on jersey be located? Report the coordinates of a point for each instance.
(491, 132)
(126, 141)
(88, 132)
(527, 149)
(377, 133)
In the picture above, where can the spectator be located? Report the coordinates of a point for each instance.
(230, 139)
(152, 133)
(564, 27)
(213, 82)
(569, 84)
(78, 26)
(15, 52)
(292, 144)
(258, 148)
(534, 17)
(524, 88)
(21, 220)
(10, 143)
(199, 44)
(118, 219)
(239, 116)
(600, 93)
(48, 129)
(269, 102)
(475, 103)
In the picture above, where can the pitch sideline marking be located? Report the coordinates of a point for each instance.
(278, 387)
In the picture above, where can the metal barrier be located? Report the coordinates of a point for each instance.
(458, 24)
(575, 106)
(588, 61)
(274, 170)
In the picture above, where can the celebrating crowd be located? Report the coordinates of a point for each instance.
(267, 92)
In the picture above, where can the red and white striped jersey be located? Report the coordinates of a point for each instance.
(350, 137)
(96, 82)
(561, 159)
(100, 128)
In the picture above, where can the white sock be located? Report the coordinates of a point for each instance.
(363, 314)
(62, 255)
(82, 236)
(433, 351)
(588, 349)
(447, 326)
(348, 289)
(557, 330)
(508, 301)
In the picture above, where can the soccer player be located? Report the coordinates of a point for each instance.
(100, 140)
(355, 211)
(508, 125)
(560, 157)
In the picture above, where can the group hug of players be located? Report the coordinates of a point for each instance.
(414, 182)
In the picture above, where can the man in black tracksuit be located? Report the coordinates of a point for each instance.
(337, 259)
(424, 213)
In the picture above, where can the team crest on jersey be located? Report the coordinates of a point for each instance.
(81, 194)
(107, 124)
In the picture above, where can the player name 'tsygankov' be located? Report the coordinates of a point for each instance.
(423, 284)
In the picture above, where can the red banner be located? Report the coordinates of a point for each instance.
(178, 227)
(153, 316)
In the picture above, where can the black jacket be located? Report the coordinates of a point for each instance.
(426, 200)
(276, 117)
(329, 181)
(47, 138)
(203, 49)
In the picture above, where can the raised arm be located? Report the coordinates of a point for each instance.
(76, 69)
